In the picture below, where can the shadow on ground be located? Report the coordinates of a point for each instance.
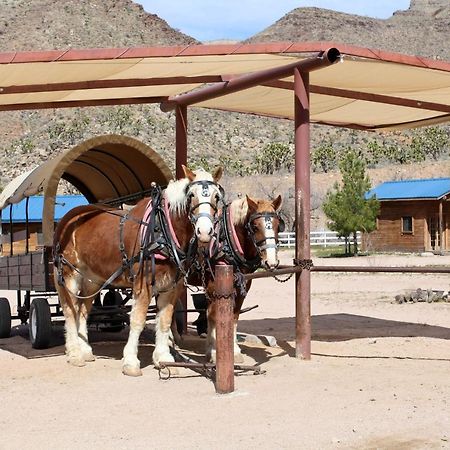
(326, 328)
(342, 327)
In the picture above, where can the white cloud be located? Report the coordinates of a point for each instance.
(233, 19)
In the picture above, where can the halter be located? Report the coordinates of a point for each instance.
(205, 184)
(268, 225)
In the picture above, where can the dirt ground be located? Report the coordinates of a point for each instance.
(378, 377)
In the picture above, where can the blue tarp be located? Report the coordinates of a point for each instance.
(430, 189)
(64, 203)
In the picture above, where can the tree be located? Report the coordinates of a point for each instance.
(347, 208)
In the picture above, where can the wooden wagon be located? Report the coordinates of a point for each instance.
(112, 170)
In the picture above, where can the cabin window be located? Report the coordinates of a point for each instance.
(407, 224)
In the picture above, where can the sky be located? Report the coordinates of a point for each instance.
(208, 20)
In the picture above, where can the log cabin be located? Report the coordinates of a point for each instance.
(414, 216)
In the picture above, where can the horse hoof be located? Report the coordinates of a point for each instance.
(131, 371)
(238, 358)
(76, 361)
(88, 357)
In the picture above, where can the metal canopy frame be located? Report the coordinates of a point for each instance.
(228, 84)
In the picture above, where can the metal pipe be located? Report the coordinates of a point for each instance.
(246, 81)
(224, 329)
(285, 270)
(181, 125)
(302, 214)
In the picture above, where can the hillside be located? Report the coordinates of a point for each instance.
(48, 24)
(424, 29)
(27, 138)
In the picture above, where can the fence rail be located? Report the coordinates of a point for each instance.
(324, 238)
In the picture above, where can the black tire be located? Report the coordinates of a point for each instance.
(40, 323)
(112, 298)
(5, 318)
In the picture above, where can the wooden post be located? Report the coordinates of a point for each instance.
(224, 329)
(302, 215)
(441, 228)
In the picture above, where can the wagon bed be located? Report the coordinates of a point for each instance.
(107, 169)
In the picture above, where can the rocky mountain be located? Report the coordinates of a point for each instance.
(28, 138)
(50, 24)
(423, 29)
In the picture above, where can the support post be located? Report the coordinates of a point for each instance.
(181, 158)
(224, 329)
(441, 227)
(302, 214)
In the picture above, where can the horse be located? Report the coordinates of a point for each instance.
(148, 249)
(248, 240)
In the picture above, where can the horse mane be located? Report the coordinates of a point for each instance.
(176, 191)
(239, 211)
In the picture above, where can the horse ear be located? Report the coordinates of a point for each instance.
(253, 206)
(188, 173)
(277, 203)
(217, 175)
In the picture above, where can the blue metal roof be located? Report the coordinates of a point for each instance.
(64, 203)
(427, 189)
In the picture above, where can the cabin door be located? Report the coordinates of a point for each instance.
(434, 238)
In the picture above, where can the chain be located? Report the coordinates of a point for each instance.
(280, 280)
(303, 263)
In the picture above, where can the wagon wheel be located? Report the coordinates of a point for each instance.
(40, 323)
(5, 318)
(112, 298)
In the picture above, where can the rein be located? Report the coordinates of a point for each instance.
(157, 238)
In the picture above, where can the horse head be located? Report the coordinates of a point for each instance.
(204, 196)
(263, 225)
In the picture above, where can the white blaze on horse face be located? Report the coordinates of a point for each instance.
(271, 253)
(204, 226)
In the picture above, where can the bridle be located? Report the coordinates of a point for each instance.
(262, 244)
(205, 185)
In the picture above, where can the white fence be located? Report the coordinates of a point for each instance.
(324, 238)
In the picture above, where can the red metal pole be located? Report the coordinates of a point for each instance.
(246, 81)
(302, 214)
(180, 140)
(224, 329)
(181, 158)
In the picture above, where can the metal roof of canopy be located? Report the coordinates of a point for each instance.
(370, 90)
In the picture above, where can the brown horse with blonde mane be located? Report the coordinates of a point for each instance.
(148, 249)
(248, 240)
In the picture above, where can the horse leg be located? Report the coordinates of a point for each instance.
(70, 307)
(210, 352)
(166, 306)
(211, 336)
(238, 358)
(83, 313)
(142, 295)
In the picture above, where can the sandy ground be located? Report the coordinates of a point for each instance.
(378, 378)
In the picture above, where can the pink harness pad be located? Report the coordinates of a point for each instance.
(143, 227)
(146, 217)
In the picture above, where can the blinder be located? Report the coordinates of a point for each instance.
(267, 216)
(205, 186)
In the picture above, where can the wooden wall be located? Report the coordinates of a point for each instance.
(389, 236)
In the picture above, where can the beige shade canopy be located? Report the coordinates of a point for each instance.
(370, 90)
(102, 168)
